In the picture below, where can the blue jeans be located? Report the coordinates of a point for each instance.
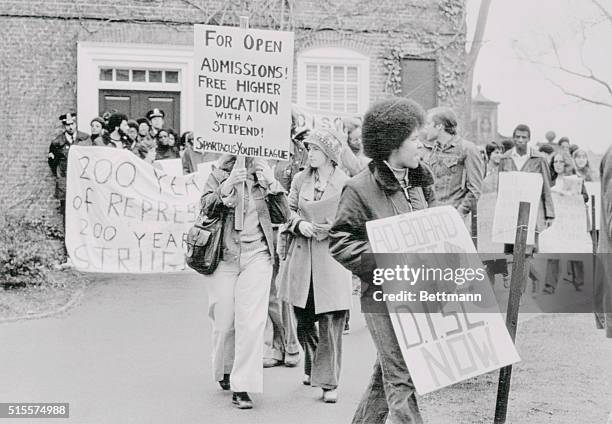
(323, 345)
(391, 391)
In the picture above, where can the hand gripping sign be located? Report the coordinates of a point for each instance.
(442, 340)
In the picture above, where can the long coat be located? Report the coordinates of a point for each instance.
(309, 257)
(58, 159)
(603, 283)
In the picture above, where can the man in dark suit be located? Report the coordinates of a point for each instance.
(156, 118)
(58, 154)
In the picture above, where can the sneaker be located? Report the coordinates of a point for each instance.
(330, 395)
(242, 400)
(347, 328)
(271, 362)
(306, 380)
(291, 360)
(225, 383)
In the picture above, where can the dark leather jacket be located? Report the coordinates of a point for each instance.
(372, 194)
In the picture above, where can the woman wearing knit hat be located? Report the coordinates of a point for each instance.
(317, 286)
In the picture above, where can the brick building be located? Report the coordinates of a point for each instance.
(63, 55)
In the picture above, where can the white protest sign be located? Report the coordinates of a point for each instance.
(486, 210)
(568, 232)
(516, 187)
(442, 348)
(593, 188)
(309, 118)
(170, 166)
(242, 91)
(205, 168)
(124, 215)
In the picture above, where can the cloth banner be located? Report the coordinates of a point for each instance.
(467, 350)
(242, 91)
(515, 187)
(124, 215)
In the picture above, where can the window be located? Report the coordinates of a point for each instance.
(334, 80)
(419, 81)
(139, 75)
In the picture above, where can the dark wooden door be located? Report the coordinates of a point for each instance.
(136, 104)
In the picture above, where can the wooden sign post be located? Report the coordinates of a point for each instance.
(474, 215)
(518, 274)
(240, 161)
(242, 95)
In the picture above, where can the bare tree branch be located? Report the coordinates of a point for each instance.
(589, 76)
(578, 96)
(603, 10)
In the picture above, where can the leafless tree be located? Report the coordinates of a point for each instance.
(472, 57)
(566, 76)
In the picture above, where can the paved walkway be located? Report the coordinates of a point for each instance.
(137, 350)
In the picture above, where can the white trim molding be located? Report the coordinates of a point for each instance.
(92, 56)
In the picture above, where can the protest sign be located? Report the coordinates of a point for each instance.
(568, 232)
(243, 83)
(568, 184)
(309, 118)
(593, 188)
(170, 166)
(205, 168)
(486, 210)
(450, 345)
(124, 215)
(516, 187)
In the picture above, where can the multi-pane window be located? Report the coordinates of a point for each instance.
(334, 80)
(139, 75)
(332, 87)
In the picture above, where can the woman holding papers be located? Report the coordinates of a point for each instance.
(317, 286)
(394, 183)
(564, 181)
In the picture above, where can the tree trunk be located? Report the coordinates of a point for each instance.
(472, 56)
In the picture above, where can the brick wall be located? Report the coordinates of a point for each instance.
(39, 59)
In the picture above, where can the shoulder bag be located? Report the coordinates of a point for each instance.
(204, 244)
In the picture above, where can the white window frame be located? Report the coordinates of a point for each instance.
(335, 56)
(92, 56)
